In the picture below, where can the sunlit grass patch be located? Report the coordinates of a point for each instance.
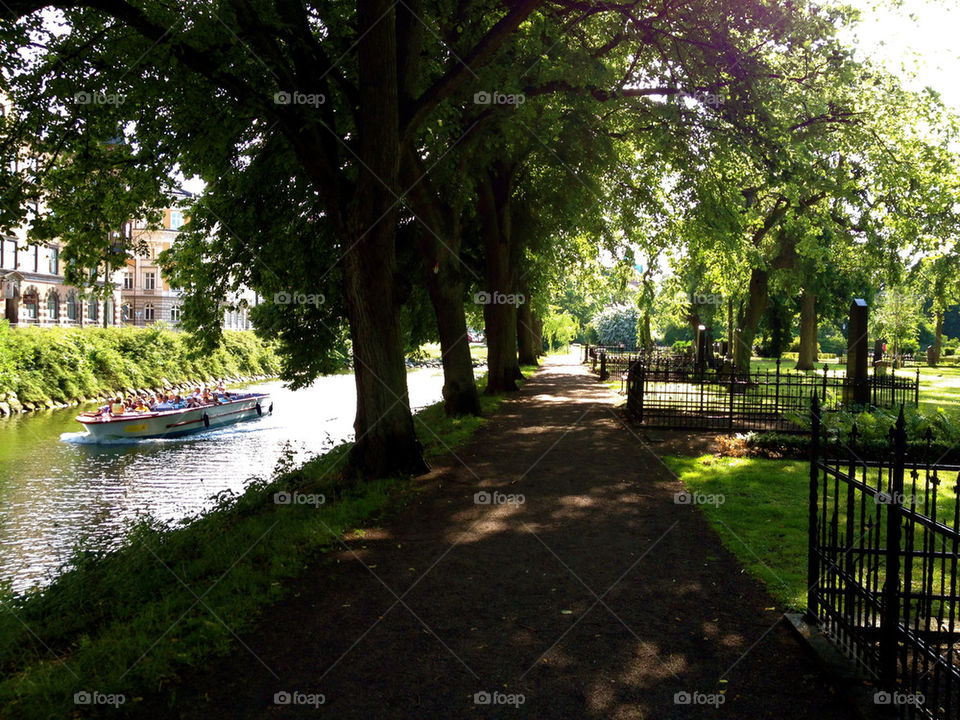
(763, 519)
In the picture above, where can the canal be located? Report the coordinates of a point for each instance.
(58, 489)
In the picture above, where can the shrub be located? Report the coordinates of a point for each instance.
(617, 324)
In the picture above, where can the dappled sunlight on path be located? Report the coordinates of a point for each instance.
(547, 561)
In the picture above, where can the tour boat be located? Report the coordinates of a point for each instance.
(171, 423)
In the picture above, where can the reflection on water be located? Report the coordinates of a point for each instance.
(57, 486)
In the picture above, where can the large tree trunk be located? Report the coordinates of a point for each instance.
(526, 331)
(808, 331)
(938, 337)
(442, 265)
(499, 313)
(460, 395)
(750, 319)
(538, 335)
(386, 442)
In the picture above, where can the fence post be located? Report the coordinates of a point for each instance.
(890, 606)
(813, 561)
(776, 396)
(732, 379)
(603, 366)
(823, 397)
(643, 382)
(916, 390)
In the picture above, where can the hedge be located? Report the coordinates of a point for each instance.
(66, 365)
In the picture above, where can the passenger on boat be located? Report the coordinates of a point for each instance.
(117, 407)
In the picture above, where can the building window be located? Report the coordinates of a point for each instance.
(176, 219)
(149, 281)
(54, 261)
(148, 314)
(108, 311)
(53, 306)
(93, 311)
(31, 304)
(8, 254)
(72, 306)
(128, 281)
(36, 258)
(175, 315)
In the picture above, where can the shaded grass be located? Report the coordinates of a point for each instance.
(136, 619)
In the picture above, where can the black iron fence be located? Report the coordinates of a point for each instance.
(882, 569)
(662, 392)
(615, 361)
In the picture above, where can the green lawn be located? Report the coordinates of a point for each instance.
(431, 351)
(939, 386)
(763, 519)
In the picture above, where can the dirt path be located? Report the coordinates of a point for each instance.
(597, 597)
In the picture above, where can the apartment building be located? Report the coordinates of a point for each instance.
(148, 297)
(32, 282)
(34, 291)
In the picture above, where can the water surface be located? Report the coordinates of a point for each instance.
(58, 486)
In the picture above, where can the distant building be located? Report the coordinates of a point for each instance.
(34, 292)
(148, 297)
(32, 282)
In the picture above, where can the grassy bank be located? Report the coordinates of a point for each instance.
(65, 365)
(134, 620)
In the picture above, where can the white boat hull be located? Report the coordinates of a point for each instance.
(172, 423)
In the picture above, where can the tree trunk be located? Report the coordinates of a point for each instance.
(646, 339)
(386, 442)
(729, 326)
(499, 313)
(526, 332)
(538, 336)
(938, 337)
(808, 331)
(442, 265)
(460, 395)
(750, 319)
